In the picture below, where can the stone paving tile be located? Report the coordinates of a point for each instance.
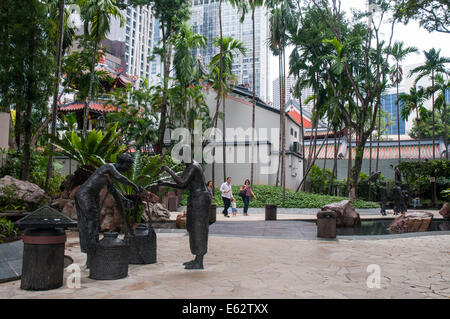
(238, 267)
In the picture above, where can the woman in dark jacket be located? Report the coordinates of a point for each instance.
(248, 192)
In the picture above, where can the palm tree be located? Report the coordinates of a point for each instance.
(280, 19)
(253, 5)
(96, 16)
(399, 53)
(434, 64)
(55, 95)
(225, 79)
(187, 67)
(441, 104)
(414, 102)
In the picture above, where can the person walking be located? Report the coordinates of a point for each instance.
(227, 195)
(210, 188)
(247, 188)
(416, 198)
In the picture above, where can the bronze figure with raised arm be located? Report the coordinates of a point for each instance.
(87, 201)
(198, 205)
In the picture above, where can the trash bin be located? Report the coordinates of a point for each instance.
(271, 212)
(326, 224)
(212, 214)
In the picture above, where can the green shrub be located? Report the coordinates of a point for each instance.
(7, 229)
(273, 195)
(38, 174)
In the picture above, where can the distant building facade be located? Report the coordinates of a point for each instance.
(204, 20)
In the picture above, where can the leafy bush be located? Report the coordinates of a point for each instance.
(9, 200)
(7, 229)
(96, 149)
(39, 161)
(274, 195)
(416, 175)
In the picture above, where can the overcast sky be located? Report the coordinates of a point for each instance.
(411, 35)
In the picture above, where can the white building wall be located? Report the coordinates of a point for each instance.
(239, 115)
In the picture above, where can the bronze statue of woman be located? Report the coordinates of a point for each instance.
(198, 205)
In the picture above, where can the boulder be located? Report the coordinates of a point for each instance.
(69, 210)
(411, 222)
(28, 192)
(346, 215)
(155, 212)
(110, 218)
(445, 211)
(181, 220)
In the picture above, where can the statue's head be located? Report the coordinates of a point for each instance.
(124, 162)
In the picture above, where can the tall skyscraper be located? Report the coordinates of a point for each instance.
(138, 36)
(204, 20)
(290, 83)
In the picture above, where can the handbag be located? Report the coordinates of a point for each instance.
(243, 193)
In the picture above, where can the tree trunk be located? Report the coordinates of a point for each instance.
(432, 84)
(167, 63)
(26, 159)
(280, 85)
(55, 96)
(283, 134)
(224, 141)
(322, 183)
(379, 132)
(253, 100)
(303, 139)
(349, 164)
(334, 172)
(398, 122)
(356, 169)
(88, 99)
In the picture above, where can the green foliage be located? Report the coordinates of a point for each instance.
(9, 200)
(319, 182)
(7, 229)
(146, 171)
(417, 175)
(137, 120)
(39, 161)
(433, 15)
(96, 149)
(425, 127)
(273, 195)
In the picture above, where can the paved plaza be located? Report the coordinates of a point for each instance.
(275, 263)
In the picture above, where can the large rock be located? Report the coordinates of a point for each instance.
(110, 218)
(346, 215)
(28, 192)
(181, 220)
(155, 212)
(445, 211)
(411, 222)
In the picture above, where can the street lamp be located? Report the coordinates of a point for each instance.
(101, 122)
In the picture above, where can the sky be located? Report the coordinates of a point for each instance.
(411, 35)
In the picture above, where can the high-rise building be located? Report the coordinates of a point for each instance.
(290, 83)
(204, 20)
(138, 36)
(289, 86)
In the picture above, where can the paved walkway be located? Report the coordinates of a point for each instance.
(243, 267)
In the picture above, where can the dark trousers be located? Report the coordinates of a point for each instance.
(226, 205)
(246, 200)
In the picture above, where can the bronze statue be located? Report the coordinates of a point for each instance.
(198, 205)
(383, 197)
(399, 200)
(87, 201)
